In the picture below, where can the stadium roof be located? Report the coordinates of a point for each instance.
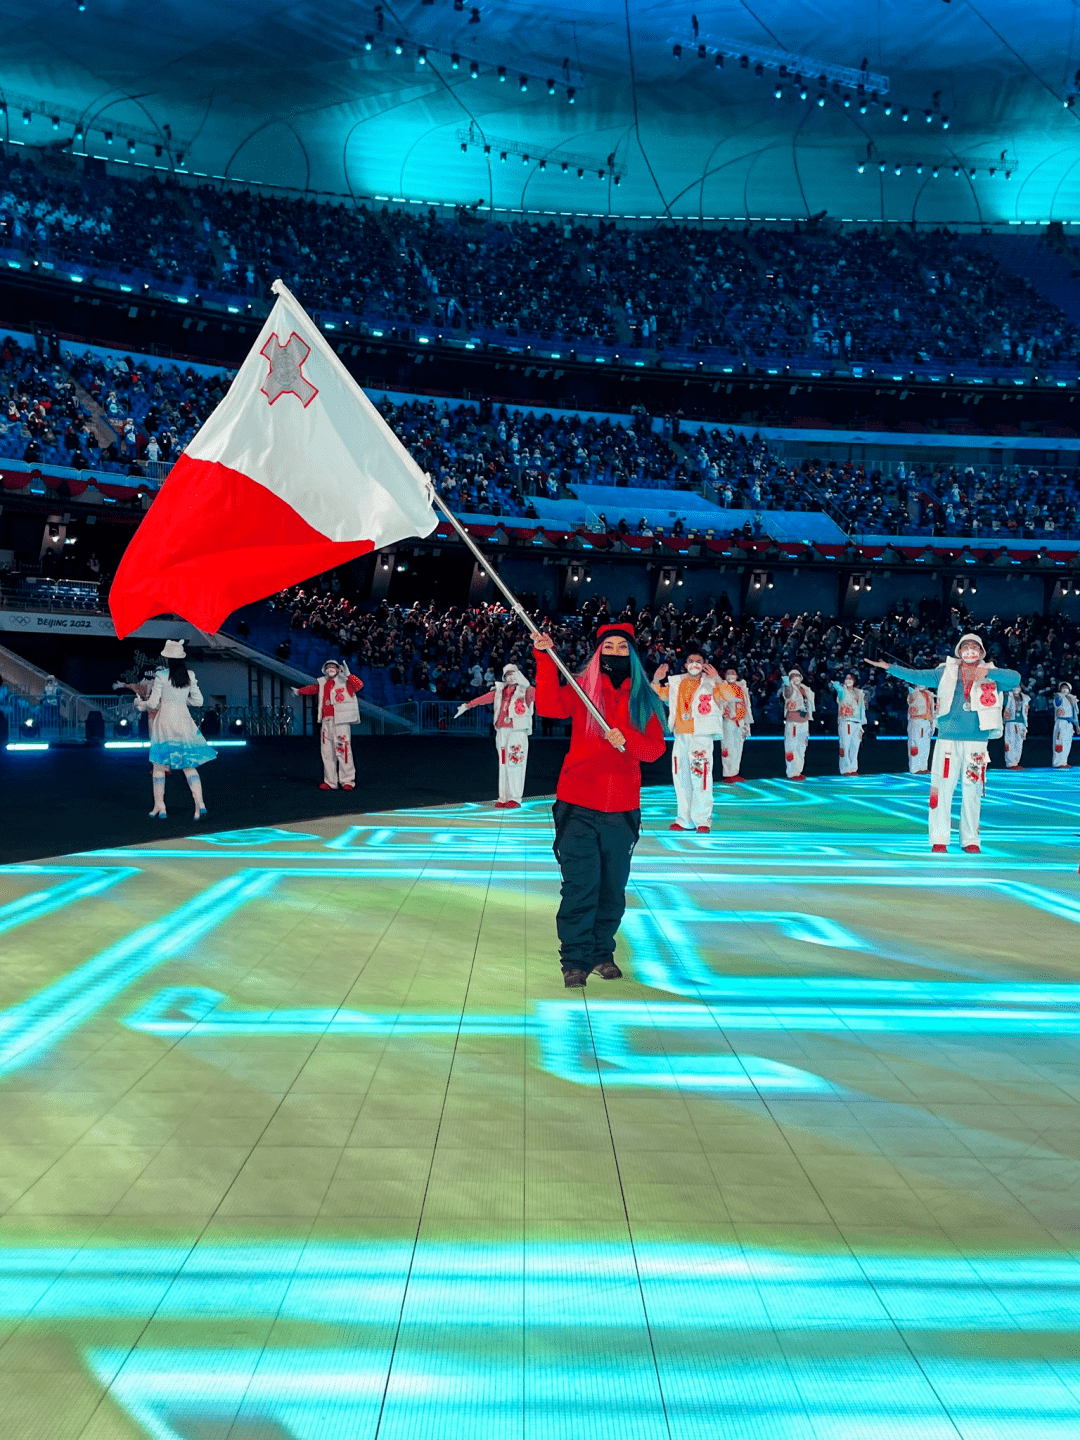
(317, 96)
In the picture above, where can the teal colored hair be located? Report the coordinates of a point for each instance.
(644, 701)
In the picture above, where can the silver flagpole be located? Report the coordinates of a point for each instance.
(518, 608)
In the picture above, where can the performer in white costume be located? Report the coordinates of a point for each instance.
(921, 712)
(1066, 725)
(850, 722)
(176, 743)
(514, 701)
(1015, 714)
(695, 717)
(798, 701)
(736, 718)
(969, 704)
(338, 712)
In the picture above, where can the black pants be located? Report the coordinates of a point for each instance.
(593, 849)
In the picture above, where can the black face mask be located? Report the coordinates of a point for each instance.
(616, 667)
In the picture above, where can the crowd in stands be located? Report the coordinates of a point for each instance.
(87, 412)
(455, 653)
(127, 414)
(758, 293)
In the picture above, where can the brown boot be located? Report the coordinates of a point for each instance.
(574, 978)
(607, 970)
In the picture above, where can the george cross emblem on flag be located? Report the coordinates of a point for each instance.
(286, 375)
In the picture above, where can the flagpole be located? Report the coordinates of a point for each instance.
(518, 608)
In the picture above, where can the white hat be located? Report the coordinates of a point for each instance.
(173, 650)
(974, 639)
(339, 665)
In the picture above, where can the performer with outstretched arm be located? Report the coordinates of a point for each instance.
(598, 798)
(514, 701)
(969, 703)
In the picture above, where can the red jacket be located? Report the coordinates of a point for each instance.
(353, 683)
(595, 774)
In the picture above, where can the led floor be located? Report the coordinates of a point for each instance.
(301, 1137)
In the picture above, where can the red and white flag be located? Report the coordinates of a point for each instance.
(293, 473)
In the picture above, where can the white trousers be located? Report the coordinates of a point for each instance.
(512, 748)
(732, 741)
(1063, 738)
(692, 776)
(1015, 735)
(966, 761)
(335, 746)
(919, 734)
(796, 734)
(850, 735)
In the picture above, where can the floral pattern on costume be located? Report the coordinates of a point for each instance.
(976, 768)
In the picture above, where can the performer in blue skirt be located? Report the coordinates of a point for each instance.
(176, 743)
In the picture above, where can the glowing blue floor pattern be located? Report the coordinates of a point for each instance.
(648, 1332)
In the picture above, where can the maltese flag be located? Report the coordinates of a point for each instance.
(293, 473)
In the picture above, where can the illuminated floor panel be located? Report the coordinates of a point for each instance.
(302, 1138)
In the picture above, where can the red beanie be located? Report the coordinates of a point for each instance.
(624, 628)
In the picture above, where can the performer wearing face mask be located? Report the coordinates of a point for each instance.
(695, 718)
(514, 701)
(850, 722)
(737, 718)
(338, 712)
(921, 709)
(598, 799)
(1066, 725)
(969, 705)
(1015, 713)
(798, 701)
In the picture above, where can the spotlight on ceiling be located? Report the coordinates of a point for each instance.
(131, 147)
(719, 61)
(26, 120)
(898, 170)
(581, 174)
(944, 122)
(369, 41)
(571, 95)
(523, 83)
(464, 147)
(398, 47)
(455, 61)
(861, 166)
(421, 55)
(56, 122)
(501, 72)
(778, 93)
(821, 102)
(886, 109)
(551, 87)
(108, 137)
(474, 70)
(904, 113)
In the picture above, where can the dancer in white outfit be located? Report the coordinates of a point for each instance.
(514, 702)
(921, 711)
(969, 703)
(1066, 725)
(338, 713)
(798, 701)
(695, 717)
(1015, 714)
(850, 722)
(176, 743)
(737, 716)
